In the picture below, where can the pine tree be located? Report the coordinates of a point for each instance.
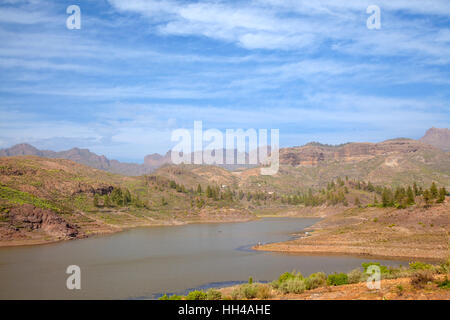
(427, 197)
(199, 189)
(209, 192)
(433, 191)
(415, 189)
(117, 196)
(386, 197)
(410, 196)
(442, 194)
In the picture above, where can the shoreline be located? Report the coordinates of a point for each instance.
(321, 238)
(357, 232)
(111, 229)
(346, 252)
(118, 229)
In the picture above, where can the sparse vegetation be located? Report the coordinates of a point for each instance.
(419, 274)
(337, 279)
(420, 278)
(444, 284)
(197, 295)
(213, 294)
(355, 276)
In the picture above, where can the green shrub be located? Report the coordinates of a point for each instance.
(400, 289)
(394, 273)
(383, 269)
(250, 291)
(245, 291)
(337, 279)
(445, 267)
(213, 294)
(444, 284)
(196, 295)
(355, 276)
(316, 280)
(293, 285)
(264, 292)
(420, 266)
(236, 293)
(285, 277)
(386, 272)
(172, 297)
(289, 275)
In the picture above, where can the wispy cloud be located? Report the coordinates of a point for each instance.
(137, 68)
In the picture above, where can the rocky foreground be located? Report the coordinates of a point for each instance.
(390, 289)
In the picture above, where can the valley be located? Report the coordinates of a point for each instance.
(374, 199)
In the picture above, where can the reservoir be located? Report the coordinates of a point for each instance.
(144, 263)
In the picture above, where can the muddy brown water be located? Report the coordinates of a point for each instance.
(146, 262)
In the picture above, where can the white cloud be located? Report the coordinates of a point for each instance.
(299, 24)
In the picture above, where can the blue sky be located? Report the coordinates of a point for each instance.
(136, 70)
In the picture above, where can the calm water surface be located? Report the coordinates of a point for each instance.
(142, 263)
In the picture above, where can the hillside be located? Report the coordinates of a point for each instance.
(45, 199)
(394, 162)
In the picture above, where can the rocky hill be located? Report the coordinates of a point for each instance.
(393, 162)
(440, 138)
(315, 154)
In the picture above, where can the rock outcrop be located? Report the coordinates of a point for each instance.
(29, 218)
(314, 154)
(437, 137)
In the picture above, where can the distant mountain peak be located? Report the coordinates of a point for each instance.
(437, 137)
(21, 149)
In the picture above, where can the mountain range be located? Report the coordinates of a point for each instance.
(311, 154)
